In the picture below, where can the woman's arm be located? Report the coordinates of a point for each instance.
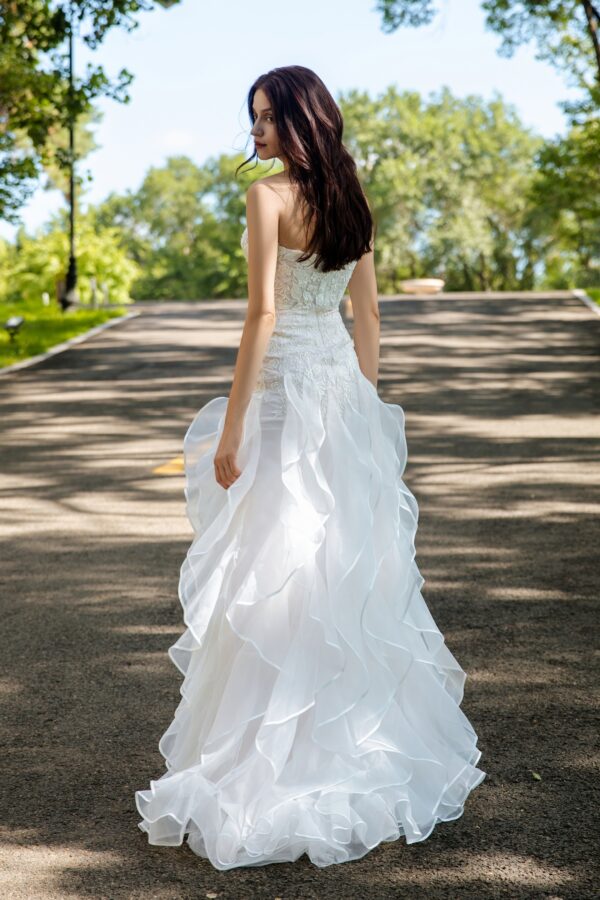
(362, 288)
(262, 214)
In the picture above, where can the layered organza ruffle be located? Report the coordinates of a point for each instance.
(320, 708)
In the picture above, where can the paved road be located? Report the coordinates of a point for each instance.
(501, 402)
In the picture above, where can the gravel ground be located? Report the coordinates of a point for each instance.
(501, 399)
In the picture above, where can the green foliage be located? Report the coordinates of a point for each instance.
(36, 263)
(56, 155)
(395, 14)
(459, 188)
(36, 100)
(30, 268)
(560, 29)
(6, 251)
(183, 228)
(18, 176)
(565, 199)
(594, 293)
(447, 180)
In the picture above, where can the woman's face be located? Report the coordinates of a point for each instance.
(264, 130)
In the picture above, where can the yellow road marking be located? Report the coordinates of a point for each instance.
(172, 467)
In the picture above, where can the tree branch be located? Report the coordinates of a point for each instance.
(593, 21)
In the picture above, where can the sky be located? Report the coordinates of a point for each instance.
(193, 65)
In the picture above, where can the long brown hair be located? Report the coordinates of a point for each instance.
(310, 127)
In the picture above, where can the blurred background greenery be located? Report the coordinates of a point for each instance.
(460, 188)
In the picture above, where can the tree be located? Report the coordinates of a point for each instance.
(565, 198)
(37, 263)
(565, 31)
(56, 152)
(448, 182)
(565, 193)
(35, 99)
(183, 228)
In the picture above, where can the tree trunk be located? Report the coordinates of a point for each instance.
(593, 21)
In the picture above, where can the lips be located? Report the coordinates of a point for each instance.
(257, 144)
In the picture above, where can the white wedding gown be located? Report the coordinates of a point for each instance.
(320, 708)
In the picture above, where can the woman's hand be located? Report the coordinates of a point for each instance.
(225, 462)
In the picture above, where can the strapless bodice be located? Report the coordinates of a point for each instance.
(299, 285)
(309, 336)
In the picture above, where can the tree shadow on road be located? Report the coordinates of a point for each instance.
(501, 402)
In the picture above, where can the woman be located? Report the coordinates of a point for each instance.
(320, 709)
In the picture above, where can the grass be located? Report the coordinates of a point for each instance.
(45, 326)
(594, 294)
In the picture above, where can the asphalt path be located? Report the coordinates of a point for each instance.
(502, 402)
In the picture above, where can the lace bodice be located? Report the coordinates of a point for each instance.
(309, 337)
(299, 285)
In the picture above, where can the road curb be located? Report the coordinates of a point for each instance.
(59, 348)
(581, 295)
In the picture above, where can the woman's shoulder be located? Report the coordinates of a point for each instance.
(276, 178)
(268, 194)
(277, 183)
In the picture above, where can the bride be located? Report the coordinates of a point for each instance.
(320, 708)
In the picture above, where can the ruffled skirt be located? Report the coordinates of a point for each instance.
(320, 708)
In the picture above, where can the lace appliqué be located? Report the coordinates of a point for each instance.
(334, 373)
(310, 340)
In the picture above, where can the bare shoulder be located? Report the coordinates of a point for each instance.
(278, 179)
(264, 195)
(278, 185)
(274, 182)
(263, 211)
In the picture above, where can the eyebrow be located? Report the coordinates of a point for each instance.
(266, 109)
